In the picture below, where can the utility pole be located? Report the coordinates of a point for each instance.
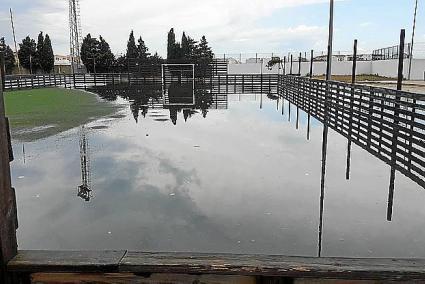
(14, 40)
(330, 40)
(413, 40)
(325, 125)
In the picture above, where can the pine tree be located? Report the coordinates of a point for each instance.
(205, 52)
(37, 62)
(27, 52)
(9, 57)
(120, 63)
(171, 44)
(47, 60)
(104, 58)
(155, 59)
(131, 47)
(193, 47)
(185, 50)
(89, 51)
(142, 50)
(173, 47)
(177, 51)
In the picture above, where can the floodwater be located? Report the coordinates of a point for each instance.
(234, 178)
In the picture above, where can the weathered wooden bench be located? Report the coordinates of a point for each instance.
(136, 267)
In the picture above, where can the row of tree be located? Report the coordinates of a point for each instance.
(37, 57)
(188, 49)
(97, 56)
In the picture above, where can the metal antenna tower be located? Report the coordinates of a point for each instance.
(75, 34)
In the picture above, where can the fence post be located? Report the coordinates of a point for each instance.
(2, 71)
(350, 126)
(396, 126)
(290, 69)
(299, 64)
(8, 216)
(309, 92)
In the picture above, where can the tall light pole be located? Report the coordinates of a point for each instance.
(413, 39)
(325, 124)
(330, 40)
(14, 39)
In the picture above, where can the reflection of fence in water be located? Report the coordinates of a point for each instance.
(366, 115)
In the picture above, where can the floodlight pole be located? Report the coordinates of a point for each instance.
(325, 125)
(330, 41)
(413, 39)
(14, 40)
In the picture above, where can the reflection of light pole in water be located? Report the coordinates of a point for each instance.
(325, 125)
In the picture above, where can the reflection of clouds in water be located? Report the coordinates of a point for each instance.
(250, 185)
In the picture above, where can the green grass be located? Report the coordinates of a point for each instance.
(39, 113)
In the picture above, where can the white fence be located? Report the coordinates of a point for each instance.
(387, 68)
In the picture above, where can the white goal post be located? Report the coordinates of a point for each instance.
(167, 78)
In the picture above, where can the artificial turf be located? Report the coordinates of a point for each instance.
(51, 110)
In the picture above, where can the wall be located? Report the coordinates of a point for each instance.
(387, 68)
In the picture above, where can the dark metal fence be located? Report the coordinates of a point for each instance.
(378, 120)
(391, 52)
(230, 84)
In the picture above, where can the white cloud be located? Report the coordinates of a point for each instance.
(366, 24)
(230, 25)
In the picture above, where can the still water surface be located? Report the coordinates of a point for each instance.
(239, 180)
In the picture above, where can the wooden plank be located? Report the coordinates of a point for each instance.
(295, 267)
(62, 278)
(8, 218)
(66, 261)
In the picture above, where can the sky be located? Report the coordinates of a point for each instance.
(230, 26)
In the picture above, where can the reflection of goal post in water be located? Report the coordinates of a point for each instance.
(178, 84)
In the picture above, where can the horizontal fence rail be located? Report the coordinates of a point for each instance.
(373, 118)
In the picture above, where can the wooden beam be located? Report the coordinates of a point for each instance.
(66, 261)
(142, 263)
(282, 266)
(118, 278)
(8, 218)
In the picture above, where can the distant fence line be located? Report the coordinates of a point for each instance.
(377, 54)
(230, 84)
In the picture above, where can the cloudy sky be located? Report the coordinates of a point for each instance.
(231, 26)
